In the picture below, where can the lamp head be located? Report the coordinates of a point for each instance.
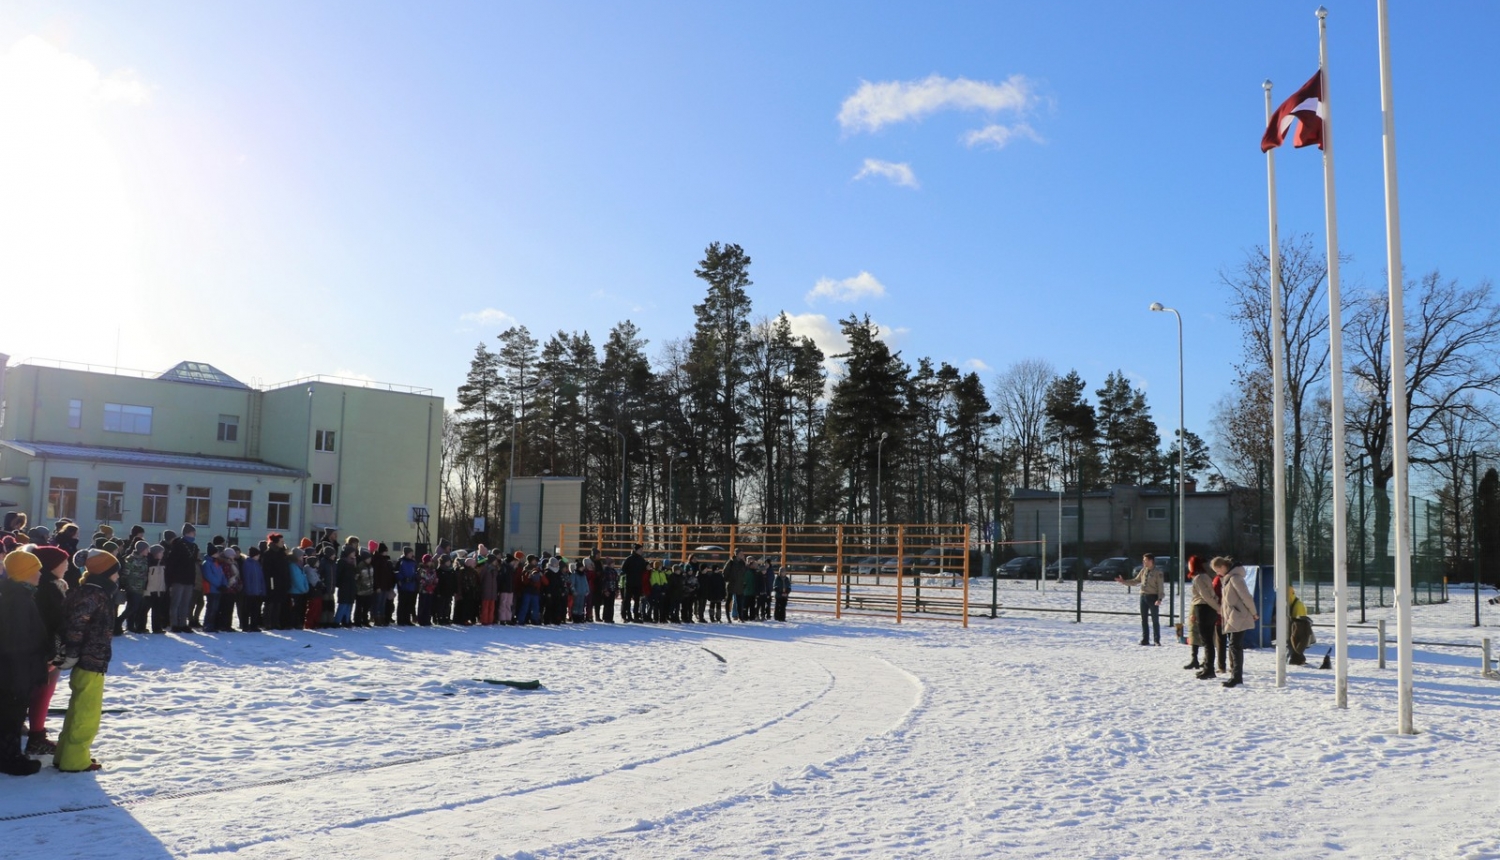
(884, 436)
(1157, 306)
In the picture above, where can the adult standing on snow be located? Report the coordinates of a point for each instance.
(277, 564)
(1150, 580)
(1205, 619)
(182, 575)
(632, 572)
(1239, 616)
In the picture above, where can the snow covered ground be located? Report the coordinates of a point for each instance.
(1023, 736)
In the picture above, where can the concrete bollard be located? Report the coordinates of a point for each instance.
(1380, 632)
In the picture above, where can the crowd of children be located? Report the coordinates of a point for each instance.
(60, 605)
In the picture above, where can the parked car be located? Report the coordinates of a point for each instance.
(1072, 568)
(1113, 567)
(1020, 567)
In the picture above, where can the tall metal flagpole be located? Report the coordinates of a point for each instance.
(1278, 417)
(1399, 430)
(1335, 392)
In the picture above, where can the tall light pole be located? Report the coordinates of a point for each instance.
(672, 484)
(1181, 473)
(879, 450)
(624, 511)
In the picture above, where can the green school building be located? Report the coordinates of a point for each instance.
(193, 444)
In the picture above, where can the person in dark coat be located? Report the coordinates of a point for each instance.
(347, 580)
(632, 575)
(25, 656)
(182, 575)
(447, 587)
(781, 589)
(385, 585)
(276, 561)
(51, 593)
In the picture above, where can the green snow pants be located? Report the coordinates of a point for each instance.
(81, 724)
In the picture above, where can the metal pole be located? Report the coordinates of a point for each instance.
(879, 450)
(1474, 531)
(1395, 273)
(1361, 538)
(1278, 418)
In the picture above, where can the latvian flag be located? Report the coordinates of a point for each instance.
(1303, 106)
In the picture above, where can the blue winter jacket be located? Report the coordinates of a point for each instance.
(253, 577)
(299, 579)
(213, 576)
(406, 576)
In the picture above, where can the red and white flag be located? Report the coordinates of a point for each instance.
(1305, 107)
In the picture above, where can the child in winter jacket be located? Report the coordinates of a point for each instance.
(87, 651)
(156, 590)
(133, 576)
(24, 653)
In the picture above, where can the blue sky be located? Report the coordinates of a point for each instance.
(370, 189)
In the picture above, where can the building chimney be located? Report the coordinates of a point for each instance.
(1190, 486)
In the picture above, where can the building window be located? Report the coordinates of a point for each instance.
(239, 508)
(75, 414)
(199, 500)
(323, 441)
(62, 498)
(229, 430)
(322, 494)
(154, 504)
(1156, 513)
(1070, 512)
(119, 418)
(110, 507)
(279, 511)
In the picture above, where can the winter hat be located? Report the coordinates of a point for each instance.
(141, 546)
(100, 563)
(7, 543)
(22, 566)
(107, 531)
(156, 549)
(40, 535)
(298, 554)
(51, 557)
(230, 553)
(79, 558)
(14, 520)
(305, 544)
(372, 546)
(382, 548)
(168, 536)
(427, 558)
(110, 547)
(189, 529)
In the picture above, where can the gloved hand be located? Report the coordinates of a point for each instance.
(68, 662)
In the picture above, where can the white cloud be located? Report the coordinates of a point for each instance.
(997, 136)
(978, 365)
(860, 286)
(900, 174)
(346, 373)
(876, 105)
(489, 317)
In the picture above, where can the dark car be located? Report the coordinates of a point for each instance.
(1113, 567)
(1072, 568)
(1020, 567)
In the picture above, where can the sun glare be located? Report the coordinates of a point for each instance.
(66, 224)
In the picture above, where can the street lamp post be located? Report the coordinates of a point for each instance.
(1181, 472)
(624, 510)
(672, 484)
(879, 450)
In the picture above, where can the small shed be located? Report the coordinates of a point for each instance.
(537, 508)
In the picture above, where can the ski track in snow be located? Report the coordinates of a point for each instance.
(1022, 737)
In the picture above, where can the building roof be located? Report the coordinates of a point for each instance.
(148, 459)
(200, 373)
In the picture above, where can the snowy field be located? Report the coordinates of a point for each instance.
(1023, 736)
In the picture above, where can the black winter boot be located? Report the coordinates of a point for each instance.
(37, 744)
(19, 765)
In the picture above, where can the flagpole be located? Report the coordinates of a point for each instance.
(1278, 417)
(1399, 429)
(1335, 391)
